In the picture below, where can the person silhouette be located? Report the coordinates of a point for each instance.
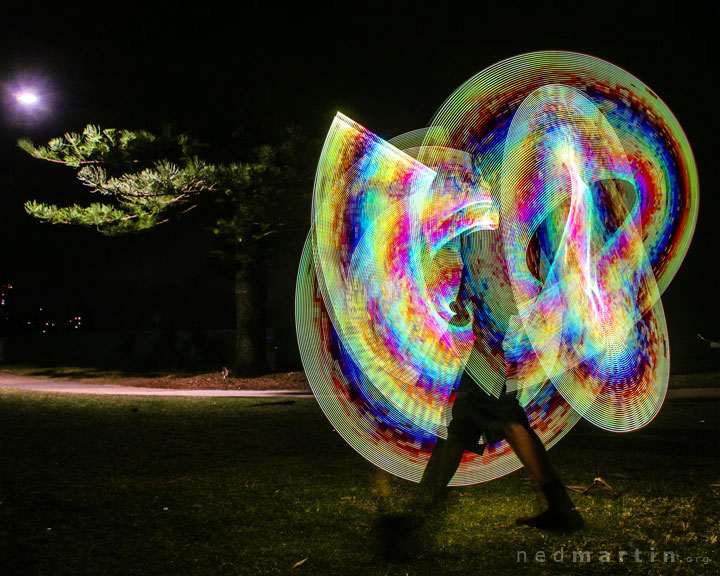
(477, 415)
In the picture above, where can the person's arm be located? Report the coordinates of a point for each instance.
(459, 305)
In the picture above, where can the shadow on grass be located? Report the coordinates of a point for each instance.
(138, 485)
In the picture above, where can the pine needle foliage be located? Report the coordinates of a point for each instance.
(143, 179)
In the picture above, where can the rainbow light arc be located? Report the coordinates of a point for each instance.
(572, 193)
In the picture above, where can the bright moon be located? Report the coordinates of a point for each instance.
(27, 98)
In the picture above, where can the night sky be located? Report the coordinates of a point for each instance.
(215, 70)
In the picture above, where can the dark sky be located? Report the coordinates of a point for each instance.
(215, 68)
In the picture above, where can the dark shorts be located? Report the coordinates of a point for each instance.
(475, 412)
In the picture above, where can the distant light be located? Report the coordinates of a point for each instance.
(27, 98)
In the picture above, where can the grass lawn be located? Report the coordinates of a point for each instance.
(701, 380)
(140, 485)
(213, 379)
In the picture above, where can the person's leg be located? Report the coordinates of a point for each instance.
(530, 450)
(443, 464)
(463, 433)
(561, 513)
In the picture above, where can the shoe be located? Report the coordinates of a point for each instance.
(561, 520)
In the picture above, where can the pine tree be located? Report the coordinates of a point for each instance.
(144, 179)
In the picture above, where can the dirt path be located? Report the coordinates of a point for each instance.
(40, 385)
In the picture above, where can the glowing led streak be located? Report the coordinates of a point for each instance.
(596, 189)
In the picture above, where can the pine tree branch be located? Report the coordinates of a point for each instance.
(259, 196)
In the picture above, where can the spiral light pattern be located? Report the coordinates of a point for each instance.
(568, 192)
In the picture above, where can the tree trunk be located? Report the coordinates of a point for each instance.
(250, 320)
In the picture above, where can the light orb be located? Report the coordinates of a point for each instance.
(27, 98)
